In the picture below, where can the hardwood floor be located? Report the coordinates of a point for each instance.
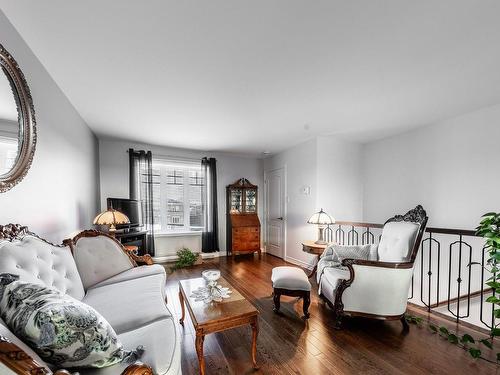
(289, 345)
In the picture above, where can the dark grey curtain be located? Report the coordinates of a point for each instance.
(210, 235)
(141, 188)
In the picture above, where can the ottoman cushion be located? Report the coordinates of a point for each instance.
(291, 278)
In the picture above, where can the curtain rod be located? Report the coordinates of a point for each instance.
(174, 157)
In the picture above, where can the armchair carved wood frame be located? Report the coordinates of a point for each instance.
(417, 216)
(19, 361)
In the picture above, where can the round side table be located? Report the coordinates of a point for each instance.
(314, 249)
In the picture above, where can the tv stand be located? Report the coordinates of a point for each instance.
(133, 238)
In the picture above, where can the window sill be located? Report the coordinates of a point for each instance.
(177, 234)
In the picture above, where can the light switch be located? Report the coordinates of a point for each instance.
(305, 190)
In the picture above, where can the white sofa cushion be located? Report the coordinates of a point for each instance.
(99, 258)
(397, 241)
(133, 273)
(36, 261)
(292, 278)
(162, 348)
(130, 304)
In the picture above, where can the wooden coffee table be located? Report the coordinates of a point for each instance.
(233, 312)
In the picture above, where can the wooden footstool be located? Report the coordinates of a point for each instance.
(291, 281)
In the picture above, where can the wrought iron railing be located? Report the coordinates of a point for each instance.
(444, 280)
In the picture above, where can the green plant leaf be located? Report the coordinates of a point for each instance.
(486, 343)
(493, 284)
(488, 214)
(497, 313)
(474, 352)
(495, 332)
(444, 330)
(453, 338)
(467, 338)
(492, 299)
(498, 357)
(433, 328)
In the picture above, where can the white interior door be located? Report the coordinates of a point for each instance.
(275, 212)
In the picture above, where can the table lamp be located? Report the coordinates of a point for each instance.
(322, 220)
(112, 218)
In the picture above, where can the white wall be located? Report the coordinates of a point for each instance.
(340, 179)
(451, 168)
(331, 167)
(59, 194)
(114, 173)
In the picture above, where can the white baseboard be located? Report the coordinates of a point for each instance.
(299, 262)
(173, 258)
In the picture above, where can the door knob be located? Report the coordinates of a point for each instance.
(280, 218)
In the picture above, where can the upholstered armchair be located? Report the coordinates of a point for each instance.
(377, 285)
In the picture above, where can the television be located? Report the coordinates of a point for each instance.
(131, 208)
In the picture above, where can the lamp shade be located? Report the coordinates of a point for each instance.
(321, 218)
(111, 217)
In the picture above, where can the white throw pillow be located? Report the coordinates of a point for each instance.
(337, 253)
(63, 331)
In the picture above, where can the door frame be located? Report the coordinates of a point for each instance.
(285, 206)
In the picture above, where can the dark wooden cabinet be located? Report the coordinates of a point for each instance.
(133, 238)
(243, 225)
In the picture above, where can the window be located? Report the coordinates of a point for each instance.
(178, 188)
(8, 153)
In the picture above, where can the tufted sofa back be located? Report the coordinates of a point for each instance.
(37, 261)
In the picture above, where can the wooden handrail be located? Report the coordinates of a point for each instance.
(458, 232)
(358, 224)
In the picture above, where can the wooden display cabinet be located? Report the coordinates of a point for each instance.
(243, 224)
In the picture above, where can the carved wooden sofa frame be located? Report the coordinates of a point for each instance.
(416, 215)
(14, 357)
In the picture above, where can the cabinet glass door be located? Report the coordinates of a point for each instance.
(236, 200)
(251, 200)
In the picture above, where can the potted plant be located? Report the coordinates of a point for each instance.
(185, 258)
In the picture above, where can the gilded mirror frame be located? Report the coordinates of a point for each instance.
(26, 121)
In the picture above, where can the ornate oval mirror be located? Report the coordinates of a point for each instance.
(17, 123)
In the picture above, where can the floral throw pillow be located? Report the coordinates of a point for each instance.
(62, 330)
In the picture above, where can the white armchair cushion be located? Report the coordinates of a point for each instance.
(330, 280)
(292, 278)
(397, 241)
(36, 261)
(99, 258)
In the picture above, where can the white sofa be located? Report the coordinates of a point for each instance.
(94, 268)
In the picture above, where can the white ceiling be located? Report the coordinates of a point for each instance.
(248, 76)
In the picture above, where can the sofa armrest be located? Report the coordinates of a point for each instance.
(138, 368)
(131, 251)
(375, 263)
(17, 360)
